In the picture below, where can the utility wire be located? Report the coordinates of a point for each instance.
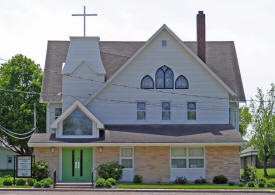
(12, 132)
(13, 135)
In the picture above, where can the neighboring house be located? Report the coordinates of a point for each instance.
(163, 108)
(249, 156)
(6, 156)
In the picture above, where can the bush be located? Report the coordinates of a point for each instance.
(261, 184)
(20, 182)
(37, 184)
(112, 181)
(49, 180)
(240, 184)
(7, 181)
(110, 170)
(107, 184)
(200, 181)
(100, 183)
(249, 173)
(41, 170)
(137, 179)
(220, 179)
(180, 180)
(231, 183)
(262, 181)
(270, 185)
(46, 183)
(251, 184)
(31, 181)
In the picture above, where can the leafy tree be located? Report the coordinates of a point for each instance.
(16, 108)
(263, 126)
(245, 118)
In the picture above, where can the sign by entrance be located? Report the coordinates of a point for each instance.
(24, 166)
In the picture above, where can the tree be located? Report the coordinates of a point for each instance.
(16, 108)
(263, 125)
(245, 118)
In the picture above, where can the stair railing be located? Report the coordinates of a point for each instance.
(54, 178)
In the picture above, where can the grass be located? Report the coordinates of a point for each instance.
(185, 186)
(260, 174)
(2, 186)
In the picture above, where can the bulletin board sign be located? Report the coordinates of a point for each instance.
(24, 166)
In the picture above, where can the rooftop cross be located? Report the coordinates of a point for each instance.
(84, 16)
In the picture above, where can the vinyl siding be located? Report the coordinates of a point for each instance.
(51, 115)
(209, 110)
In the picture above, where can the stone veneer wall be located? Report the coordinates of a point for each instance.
(45, 154)
(223, 160)
(107, 154)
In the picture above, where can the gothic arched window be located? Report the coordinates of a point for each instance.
(164, 78)
(147, 82)
(181, 82)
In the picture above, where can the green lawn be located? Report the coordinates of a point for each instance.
(260, 173)
(2, 186)
(185, 186)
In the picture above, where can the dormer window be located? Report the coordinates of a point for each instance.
(164, 78)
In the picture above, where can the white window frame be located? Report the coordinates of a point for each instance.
(141, 111)
(131, 158)
(187, 157)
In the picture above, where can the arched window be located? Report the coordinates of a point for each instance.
(181, 82)
(147, 82)
(164, 78)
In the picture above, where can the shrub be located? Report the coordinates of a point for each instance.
(249, 173)
(220, 179)
(7, 181)
(49, 180)
(180, 180)
(270, 185)
(46, 184)
(251, 184)
(261, 184)
(37, 184)
(20, 182)
(231, 183)
(31, 181)
(200, 181)
(240, 184)
(110, 170)
(137, 179)
(41, 170)
(107, 184)
(112, 181)
(100, 183)
(262, 181)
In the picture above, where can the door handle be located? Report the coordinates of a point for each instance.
(75, 165)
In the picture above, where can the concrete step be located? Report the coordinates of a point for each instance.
(73, 185)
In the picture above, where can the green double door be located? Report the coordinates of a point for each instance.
(77, 164)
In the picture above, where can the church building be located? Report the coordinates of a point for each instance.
(163, 108)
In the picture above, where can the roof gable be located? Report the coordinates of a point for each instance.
(140, 50)
(73, 107)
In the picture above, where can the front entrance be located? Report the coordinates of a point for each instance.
(77, 164)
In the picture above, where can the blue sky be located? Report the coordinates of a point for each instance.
(26, 25)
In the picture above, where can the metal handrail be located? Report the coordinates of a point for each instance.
(92, 177)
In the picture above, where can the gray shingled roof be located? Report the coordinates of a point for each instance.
(221, 58)
(192, 133)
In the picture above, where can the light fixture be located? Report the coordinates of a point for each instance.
(52, 149)
(100, 149)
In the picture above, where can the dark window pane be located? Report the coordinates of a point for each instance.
(178, 163)
(77, 124)
(141, 106)
(57, 112)
(140, 115)
(147, 82)
(165, 115)
(160, 79)
(191, 115)
(165, 105)
(169, 79)
(191, 105)
(141, 109)
(181, 83)
(127, 163)
(196, 163)
(163, 43)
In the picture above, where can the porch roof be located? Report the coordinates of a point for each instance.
(149, 134)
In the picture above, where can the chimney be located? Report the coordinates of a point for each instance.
(201, 50)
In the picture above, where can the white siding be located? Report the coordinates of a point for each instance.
(154, 56)
(4, 154)
(51, 115)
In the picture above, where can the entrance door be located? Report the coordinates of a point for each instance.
(77, 164)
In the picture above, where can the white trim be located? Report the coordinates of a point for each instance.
(131, 158)
(89, 67)
(163, 27)
(77, 104)
(128, 171)
(130, 144)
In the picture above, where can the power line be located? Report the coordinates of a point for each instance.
(7, 133)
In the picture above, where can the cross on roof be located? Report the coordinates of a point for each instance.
(84, 16)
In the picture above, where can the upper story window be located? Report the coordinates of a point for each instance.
(181, 83)
(191, 111)
(163, 43)
(141, 110)
(77, 124)
(166, 111)
(164, 78)
(147, 82)
(57, 112)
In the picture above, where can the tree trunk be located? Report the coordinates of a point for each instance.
(265, 167)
